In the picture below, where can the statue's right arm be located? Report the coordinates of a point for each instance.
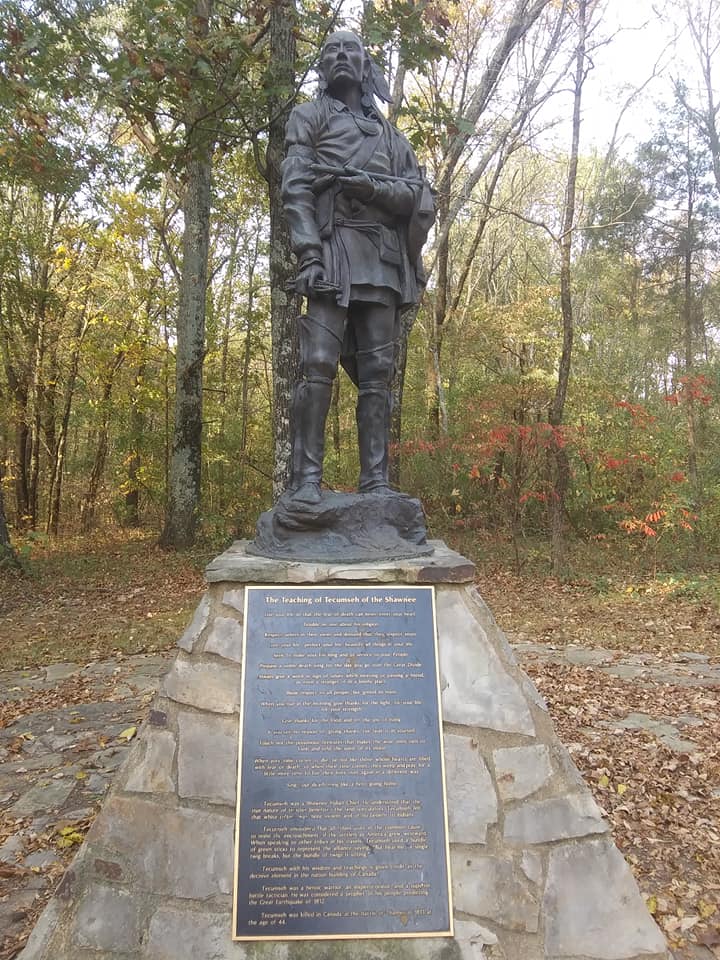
(299, 200)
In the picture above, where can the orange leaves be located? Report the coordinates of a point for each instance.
(634, 525)
(538, 495)
(695, 389)
(659, 519)
(641, 416)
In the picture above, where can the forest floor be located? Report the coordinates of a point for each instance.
(629, 665)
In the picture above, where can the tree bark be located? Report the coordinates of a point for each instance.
(687, 311)
(706, 47)
(134, 460)
(88, 505)
(407, 321)
(284, 306)
(55, 492)
(7, 553)
(559, 462)
(183, 502)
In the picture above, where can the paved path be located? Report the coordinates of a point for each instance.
(57, 761)
(58, 758)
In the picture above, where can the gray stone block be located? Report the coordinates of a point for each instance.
(173, 852)
(178, 934)
(531, 865)
(472, 804)
(593, 908)
(238, 566)
(196, 626)
(235, 598)
(41, 859)
(44, 930)
(152, 771)
(10, 848)
(477, 690)
(559, 818)
(208, 686)
(225, 639)
(488, 888)
(60, 671)
(44, 796)
(207, 759)
(472, 939)
(521, 771)
(432, 948)
(108, 918)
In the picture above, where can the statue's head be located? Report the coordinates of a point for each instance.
(344, 61)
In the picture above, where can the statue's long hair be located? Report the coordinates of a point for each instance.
(373, 83)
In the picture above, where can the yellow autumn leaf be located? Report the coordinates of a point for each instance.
(652, 904)
(128, 734)
(81, 775)
(68, 837)
(622, 788)
(604, 780)
(706, 909)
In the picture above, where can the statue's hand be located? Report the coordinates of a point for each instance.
(359, 186)
(307, 278)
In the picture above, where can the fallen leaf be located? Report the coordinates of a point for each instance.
(128, 734)
(706, 909)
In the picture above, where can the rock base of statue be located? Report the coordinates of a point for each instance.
(343, 527)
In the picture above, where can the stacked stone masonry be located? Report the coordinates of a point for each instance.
(535, 873)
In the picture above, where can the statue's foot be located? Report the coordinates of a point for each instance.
(381, 490)
(306, 493)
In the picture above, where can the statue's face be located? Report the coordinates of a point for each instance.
(343, 59)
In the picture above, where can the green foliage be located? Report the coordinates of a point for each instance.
(97, 104)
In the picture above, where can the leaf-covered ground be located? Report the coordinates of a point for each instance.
(662, 798)
(657, 775)
(84, 600)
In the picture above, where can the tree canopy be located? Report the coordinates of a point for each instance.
(563, 363)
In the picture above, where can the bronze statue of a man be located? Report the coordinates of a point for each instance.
(359, 210)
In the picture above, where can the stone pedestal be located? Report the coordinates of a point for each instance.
(535, 873)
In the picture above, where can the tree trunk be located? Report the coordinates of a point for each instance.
(7, 554)
(284, 306)
(438, 422)
(55, 492)
(88, 505)
(183, 503)
(407, 320)
(226, 301)
(20, 469)
(693, 475)
(247, 357)
(134, 460)
(559, 462)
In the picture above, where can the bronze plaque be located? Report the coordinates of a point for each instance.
(341, 823)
